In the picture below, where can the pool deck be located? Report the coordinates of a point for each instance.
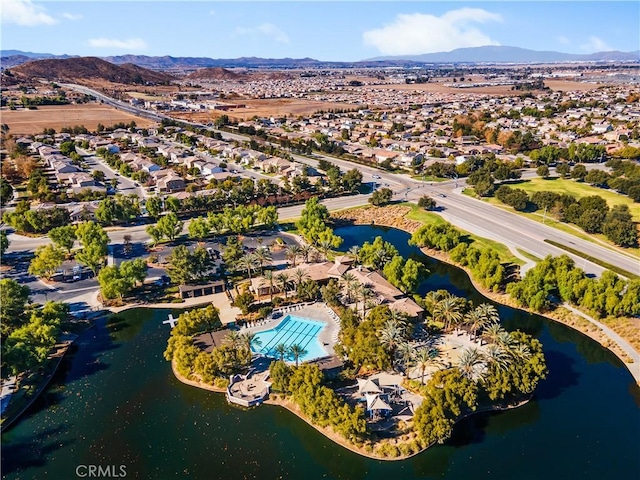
(318, 311)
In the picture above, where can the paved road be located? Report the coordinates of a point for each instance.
(472, 215)
(126, 186)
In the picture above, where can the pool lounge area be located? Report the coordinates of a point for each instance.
(314, 326)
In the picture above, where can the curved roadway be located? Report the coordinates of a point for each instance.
(470, 214)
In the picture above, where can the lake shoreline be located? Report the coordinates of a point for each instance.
(282, 401)
(571, 320)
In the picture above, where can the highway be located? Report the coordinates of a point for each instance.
(470, 214)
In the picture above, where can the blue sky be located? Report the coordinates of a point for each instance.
(325, 30)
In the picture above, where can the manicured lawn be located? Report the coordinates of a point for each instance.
(579, 190)
(421, 215)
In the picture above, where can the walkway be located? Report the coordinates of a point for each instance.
(228, 313)
(634, 365)
(8, 387)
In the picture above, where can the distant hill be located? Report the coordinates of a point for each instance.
(488, 54)
(216, 73)
(11, 58)
(504, 54)
(168, 62)
(9, 53)
(72, 69)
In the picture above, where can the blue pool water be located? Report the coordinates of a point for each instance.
(291, 330)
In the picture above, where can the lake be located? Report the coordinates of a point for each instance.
(116, 402)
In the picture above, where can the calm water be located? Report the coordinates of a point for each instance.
(292, 330)
(116, 402)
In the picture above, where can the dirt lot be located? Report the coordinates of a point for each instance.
(267, 108)
(564, 85)
(28, 122)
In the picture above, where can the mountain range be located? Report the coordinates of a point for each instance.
(504, 54)
(84, 68)
(487, 54)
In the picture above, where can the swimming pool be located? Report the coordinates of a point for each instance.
(291, 330)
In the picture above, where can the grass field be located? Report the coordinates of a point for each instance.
(579, 190)
(29, 122)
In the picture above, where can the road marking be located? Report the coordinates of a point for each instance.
(79, 289)
(50, 287)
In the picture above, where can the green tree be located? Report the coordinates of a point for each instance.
(427, 203)
(170, 226)
(13, 298)
(542, 171)
(113, 284)
(199, 229)
(297, 351)
(64, 236)
(4, 242)
(244, 301)
(181, 265)
(134, 270)
(381, 197)
(48, 258)
(154, 206)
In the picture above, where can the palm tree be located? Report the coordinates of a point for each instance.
(299, 276)
(325, 246)
(348, 281)
(281, 349)
(405, 353)
(424, 358)
(493, 332)
(247, 262)
(520, 352)
(268, 277)
(488, 312)
(496, 356)
(305, 251)
(354, 252)
(250, 339)
(262, 256)
(391, 335)
(474, 321)
(233, 339)
(469, 360)
(297, 351)
(292, 253)
(283, 281)
(366, 293)
(448, 311)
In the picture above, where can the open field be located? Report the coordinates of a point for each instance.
(28, 122)
(579, 190)
(268, 107)
(440, 88)
(570, 85)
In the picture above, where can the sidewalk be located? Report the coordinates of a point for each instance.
(228, 312)
(8, 388)
(634, 365)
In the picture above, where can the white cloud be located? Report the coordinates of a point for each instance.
(25, 13)
(128, 44)
(563, 40)
(266, 29)
(596, 44)
(417, 33)
(212, 12)
(72, 16)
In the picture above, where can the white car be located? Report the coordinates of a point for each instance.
(376, 176)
